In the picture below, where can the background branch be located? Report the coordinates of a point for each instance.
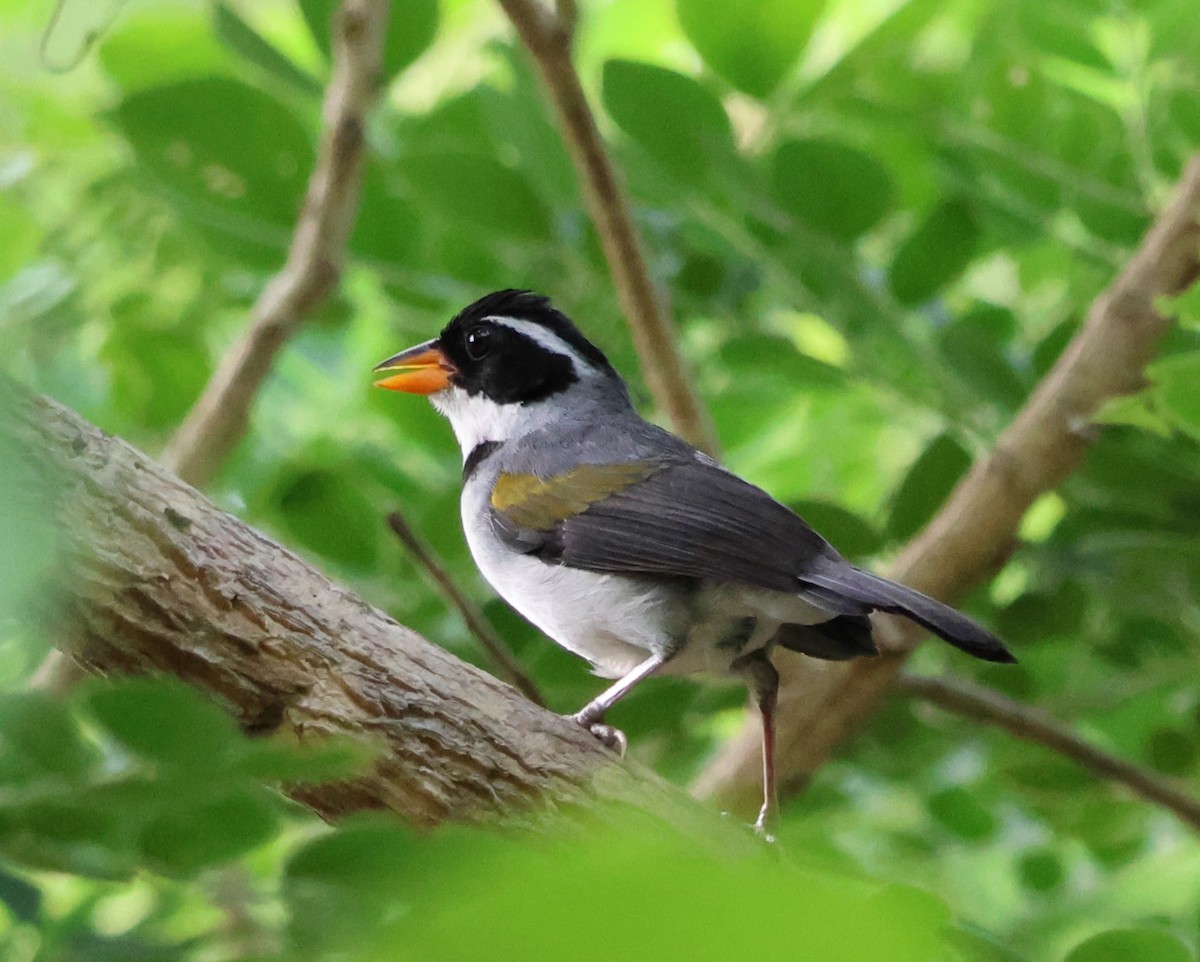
(548, 39)
(975, 530)
(218, 420)
(973, 701)
(151, 576)
(472, 615)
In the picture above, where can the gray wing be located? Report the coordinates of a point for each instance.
(693, 519)
(687, 519)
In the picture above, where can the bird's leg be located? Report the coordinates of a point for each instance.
(763, 681)
(590, 715)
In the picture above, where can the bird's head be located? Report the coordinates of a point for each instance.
(505, 366)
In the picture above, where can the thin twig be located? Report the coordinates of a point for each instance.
(472, 615)
(980, 704)
(219, 418)
(977, 527)
(548, 39)
(567, 12)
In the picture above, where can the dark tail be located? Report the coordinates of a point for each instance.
(863, 588)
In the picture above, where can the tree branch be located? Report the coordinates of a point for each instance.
(219, 418)
(472, 615)
(548, 39)
(1023, 721)
(977, 527)
(151, 576)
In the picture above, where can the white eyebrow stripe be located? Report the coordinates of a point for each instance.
(547, 339)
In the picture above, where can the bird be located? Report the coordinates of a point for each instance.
(623, 543)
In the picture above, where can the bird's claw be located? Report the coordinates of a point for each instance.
(766, 834)
(611, 738)
(765, 824)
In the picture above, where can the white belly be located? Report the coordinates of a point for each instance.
(613, 621)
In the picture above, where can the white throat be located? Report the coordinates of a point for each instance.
(475, 418)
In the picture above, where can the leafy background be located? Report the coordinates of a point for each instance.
(879, 223)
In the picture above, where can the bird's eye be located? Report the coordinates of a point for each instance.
(479, 342)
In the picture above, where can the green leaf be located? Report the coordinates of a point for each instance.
(476, 190)
(157, 46)
(831, 186)
(974, 345)
(412, 25)
(38, 737)
(19, 240)
(751, 45)
(1126, 945)
(1114, 222)
(27, 520)
(240, 37)
(926, 486)
(1041, 870)
(935, 253)
(23, 900)
(1101, 85)
(1175, 382)
(660, 887)
(1045, 614)
(305, 763)
(327, 514)
(852, 535)
(978, 945)
(514, 120)
(388, 228)
(343, 885)
(962, 813)
(1184, 306)
(156, 374)
(184, 840)
(1051, 777)
(359, 856)
(753, 358)
(1114, 832)
(165, 721)
(457, 125)
(917, 919)
(1054, 29)
(1140, 639)
(1134, 410)
(224, 153)
(1172, 750)
(676, 120)
(66, 837)
(1050, 348)
(74, 820)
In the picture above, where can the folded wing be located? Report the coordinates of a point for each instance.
(693, 519)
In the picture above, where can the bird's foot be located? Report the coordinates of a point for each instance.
(764, 825)
(764, 833)
(611, 738)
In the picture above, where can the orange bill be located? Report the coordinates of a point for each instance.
(423, 369)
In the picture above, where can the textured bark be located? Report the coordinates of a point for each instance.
(977, 528)
(154, 577)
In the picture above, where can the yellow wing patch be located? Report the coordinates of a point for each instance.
(540, 503)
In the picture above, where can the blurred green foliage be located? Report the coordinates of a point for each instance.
(879, 223)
